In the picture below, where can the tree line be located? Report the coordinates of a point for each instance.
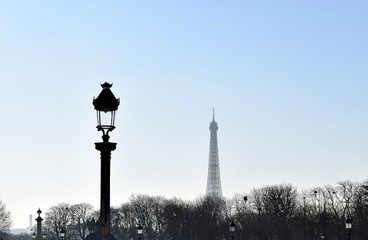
(277, 212)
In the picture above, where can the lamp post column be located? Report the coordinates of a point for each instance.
(105, 149)
(39, 229)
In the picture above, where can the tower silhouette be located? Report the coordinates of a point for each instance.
(213, 179)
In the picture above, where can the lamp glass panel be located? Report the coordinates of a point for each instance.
(105, 119)
(348, 225)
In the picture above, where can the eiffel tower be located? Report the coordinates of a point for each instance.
(213, 179)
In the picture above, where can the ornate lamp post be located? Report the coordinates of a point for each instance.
(62, 233)
(140, 231)
(348, 225)
(39, 229)
(232, 229)
(105, 104)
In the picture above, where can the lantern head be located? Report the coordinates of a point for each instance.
(140, 230)
(62, 233)
(106, 104)
(232, 227)
(348, 223)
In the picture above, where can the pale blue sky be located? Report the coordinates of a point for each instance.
(288, 80)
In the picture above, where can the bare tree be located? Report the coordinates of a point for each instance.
(80, 213)
(57, 218)
(208, 218)
(177, 219)
(276, 207)
(240, 209)
(5, 218)
(125, 222)
(148, 212)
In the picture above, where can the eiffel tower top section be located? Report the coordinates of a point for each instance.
(213, 178)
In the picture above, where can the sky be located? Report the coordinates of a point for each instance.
(288, 81)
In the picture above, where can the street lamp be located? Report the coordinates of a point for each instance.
(105, 104)
(91, 225)
(232, 229)
(62, 233)
(348, 225)
(140, 231)
(39, 227)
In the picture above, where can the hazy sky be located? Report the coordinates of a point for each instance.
(288, 80)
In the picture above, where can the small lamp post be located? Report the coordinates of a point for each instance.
(232, 229)
(106, 105)
(140, 231)
(91, 225)
(39, 225)
(62, 233)
(348, 226)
